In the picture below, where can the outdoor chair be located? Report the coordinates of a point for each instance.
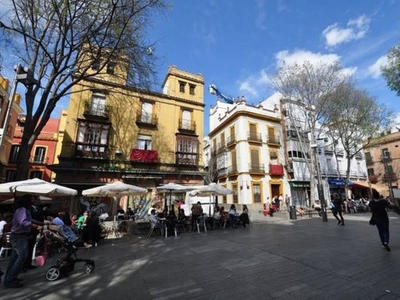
(6, 245)
(201, 223)
(153, 227)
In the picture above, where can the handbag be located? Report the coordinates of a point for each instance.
(372, 221)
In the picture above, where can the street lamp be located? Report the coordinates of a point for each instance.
(320, 188)
(25, 76)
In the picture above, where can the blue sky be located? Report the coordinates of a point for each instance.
(238, 44)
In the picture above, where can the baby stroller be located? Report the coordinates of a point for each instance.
(67, 264)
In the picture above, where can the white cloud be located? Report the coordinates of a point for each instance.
(257, 85)
(375, 70)
(356, 29)
(300, 56)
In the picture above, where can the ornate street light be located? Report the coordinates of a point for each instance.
(25, 76)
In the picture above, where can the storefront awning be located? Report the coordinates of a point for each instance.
(380, 188)
(338, 182)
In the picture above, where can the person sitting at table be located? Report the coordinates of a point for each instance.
(171, 222)
(153, 218)
(232, 216)
(244, 216)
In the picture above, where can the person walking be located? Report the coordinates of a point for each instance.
(380, 219)
(20, 232)
(337, 208)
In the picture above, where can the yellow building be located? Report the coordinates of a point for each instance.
(112, 131)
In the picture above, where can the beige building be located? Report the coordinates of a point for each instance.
(383, 160)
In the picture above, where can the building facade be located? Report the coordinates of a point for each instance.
(246, 152)
(383, 162)
(44, 151)
(113, 131)
(7, 125)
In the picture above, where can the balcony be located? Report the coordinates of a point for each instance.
(276, 170)
(38, 160)
(257, 168)
(232, 170)
(94, 151)
(231, 140)
(147, 156)
(149, 120)
(389, 177)
(187, 126)
(273, 141)
(100, 112)
(186, 158)
(253, 137)
(386, 157)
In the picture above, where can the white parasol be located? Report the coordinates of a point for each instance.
(116, 188)
(36, 186)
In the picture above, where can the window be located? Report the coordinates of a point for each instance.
(95, 64)
(192, 89)
(235, 194)
(182, 86)
(14, 153)
(222, 161)
(187, 150)
(144, 142)
(256, 193)
(271, 134)
(92, 138)
(40, 155)
(254, 158)
(98, 104)
(111, 67)
(147, 112)
(371, 171)
(36, 174)
(11, 175)
(253, 131)
(186, 119)
(385, 153)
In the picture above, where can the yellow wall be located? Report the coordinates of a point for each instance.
(124, 105)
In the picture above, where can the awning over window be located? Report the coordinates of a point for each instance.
(381, 189)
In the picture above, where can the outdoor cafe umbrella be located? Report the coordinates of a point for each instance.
(36, 186)
(116, 188)
(211, 190)
(172, 187)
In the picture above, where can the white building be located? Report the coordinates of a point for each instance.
(246, 152)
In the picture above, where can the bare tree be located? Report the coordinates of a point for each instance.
(353, 118)
(65, 43)
(308, 90)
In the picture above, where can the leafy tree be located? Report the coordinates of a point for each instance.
(391, 72)
(66, 42)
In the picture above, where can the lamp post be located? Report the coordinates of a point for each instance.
(25, 76)
(320, 188)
